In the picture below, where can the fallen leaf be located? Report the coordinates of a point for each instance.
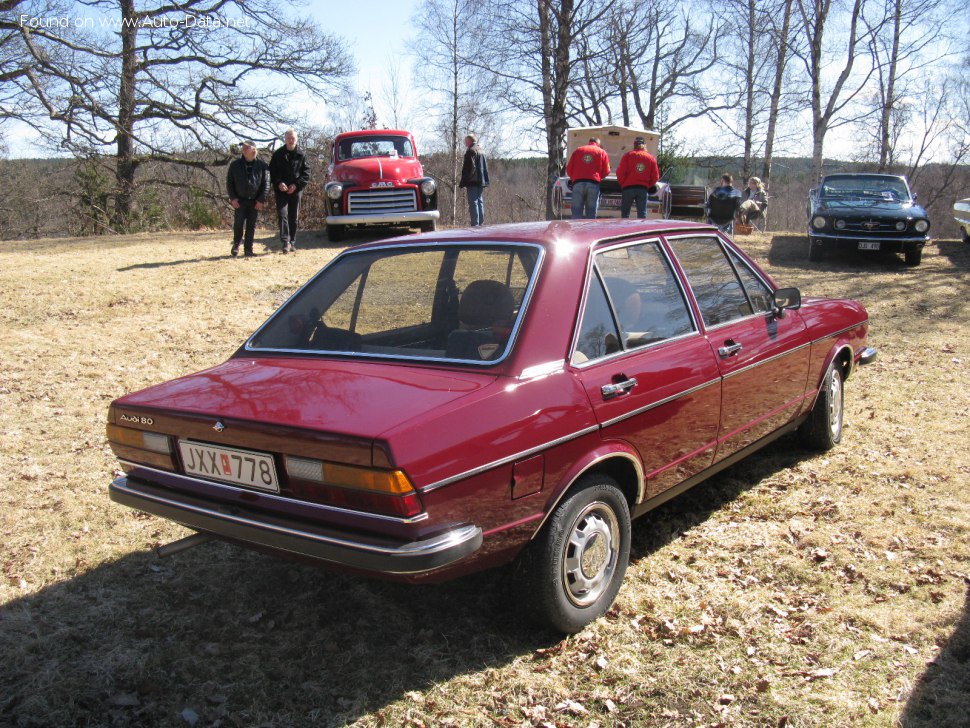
(189, 716)
(571, 706)
(822, 673)
(861, 653)
(726, 699)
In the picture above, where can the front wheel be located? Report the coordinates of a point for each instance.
(573, 569)
(335, 233)
(815, 251)
(823, 428)
(914, 257)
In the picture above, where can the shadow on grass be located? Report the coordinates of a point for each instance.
(956, 250)
(944, 689)
(248, 639)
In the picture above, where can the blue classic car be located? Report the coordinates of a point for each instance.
(866, 212)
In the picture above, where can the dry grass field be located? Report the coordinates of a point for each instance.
(791, 590)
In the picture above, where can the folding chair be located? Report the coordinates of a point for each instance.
(721, 211)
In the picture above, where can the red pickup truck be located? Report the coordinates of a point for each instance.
(375, 178)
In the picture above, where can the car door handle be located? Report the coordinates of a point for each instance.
(729, 349)
(617, 388)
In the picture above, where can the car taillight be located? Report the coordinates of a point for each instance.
(140, 446)
(388, 492)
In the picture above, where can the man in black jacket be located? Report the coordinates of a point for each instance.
(247, 184)
(474, 178)
(289, 173)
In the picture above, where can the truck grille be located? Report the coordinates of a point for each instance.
(383, 201)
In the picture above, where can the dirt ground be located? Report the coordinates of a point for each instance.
(792, 589)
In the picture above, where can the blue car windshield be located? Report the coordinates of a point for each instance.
(866, 187)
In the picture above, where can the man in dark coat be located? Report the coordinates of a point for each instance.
(289, 173)
(474, 178)
(247, 184)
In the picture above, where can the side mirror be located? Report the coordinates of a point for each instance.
(915, 197)
(786, 298)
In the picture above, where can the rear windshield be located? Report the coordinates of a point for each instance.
(375, 146)
(861, 186)
(446, 302)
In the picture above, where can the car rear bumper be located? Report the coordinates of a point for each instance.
(396, 218)
(294, 537)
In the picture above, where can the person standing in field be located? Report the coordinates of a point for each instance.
(247, 184)
(474, 178)
(587, 167)
(289, 173)
(638, 175)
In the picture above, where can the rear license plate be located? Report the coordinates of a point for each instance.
(240, 467)
(868, 245)
(610, 202)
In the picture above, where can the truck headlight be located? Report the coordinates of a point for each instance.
(922, 226)
(901, 225)
(818, 222)
(428, 187)
(334, 192)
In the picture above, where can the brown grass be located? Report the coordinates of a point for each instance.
(793, 588)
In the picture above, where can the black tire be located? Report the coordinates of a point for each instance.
(966, 236)
(588, 532)
(428, 227)
(815, 252)
(914, 257)
(335, 233)
(823, 428)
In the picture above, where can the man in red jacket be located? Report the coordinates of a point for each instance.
(588, 165)
(638, 175)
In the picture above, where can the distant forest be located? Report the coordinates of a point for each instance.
(70, 197)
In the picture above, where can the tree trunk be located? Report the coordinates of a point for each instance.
(749, 93)
(889, 101)
(455, 90)
(126, 164)
(782, 58)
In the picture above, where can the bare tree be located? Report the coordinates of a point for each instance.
(145, 81)
(782, 43)
(534, 52)
(820, 26)
(451, 38)
(906, 43)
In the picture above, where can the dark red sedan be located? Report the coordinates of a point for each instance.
(433, 405)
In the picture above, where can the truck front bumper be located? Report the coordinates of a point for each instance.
(396, 218)
(236, 523)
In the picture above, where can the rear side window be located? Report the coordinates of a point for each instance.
(716, 286)
(598, 335)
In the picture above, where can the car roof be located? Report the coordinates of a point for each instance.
(374, 132)
(850, 175)
(555, 233)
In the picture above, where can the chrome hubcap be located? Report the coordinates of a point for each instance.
(591, 554)
(835, 404)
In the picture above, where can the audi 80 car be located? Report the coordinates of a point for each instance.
(429, 406)
(874, 212)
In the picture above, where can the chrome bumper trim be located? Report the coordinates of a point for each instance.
(389, 218)
(867, 355)
(236, 523)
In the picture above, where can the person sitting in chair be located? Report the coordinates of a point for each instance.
(723, 203)
(754, 201)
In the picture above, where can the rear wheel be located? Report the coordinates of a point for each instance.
(823, 428)
(335, 233)
(914, 257)
(572, 571)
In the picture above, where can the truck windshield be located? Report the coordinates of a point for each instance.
(374, 146)
(451, 302)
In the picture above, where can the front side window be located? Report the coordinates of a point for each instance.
(642, 303)
(762, 300)
(446, 302)
(716, 286)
